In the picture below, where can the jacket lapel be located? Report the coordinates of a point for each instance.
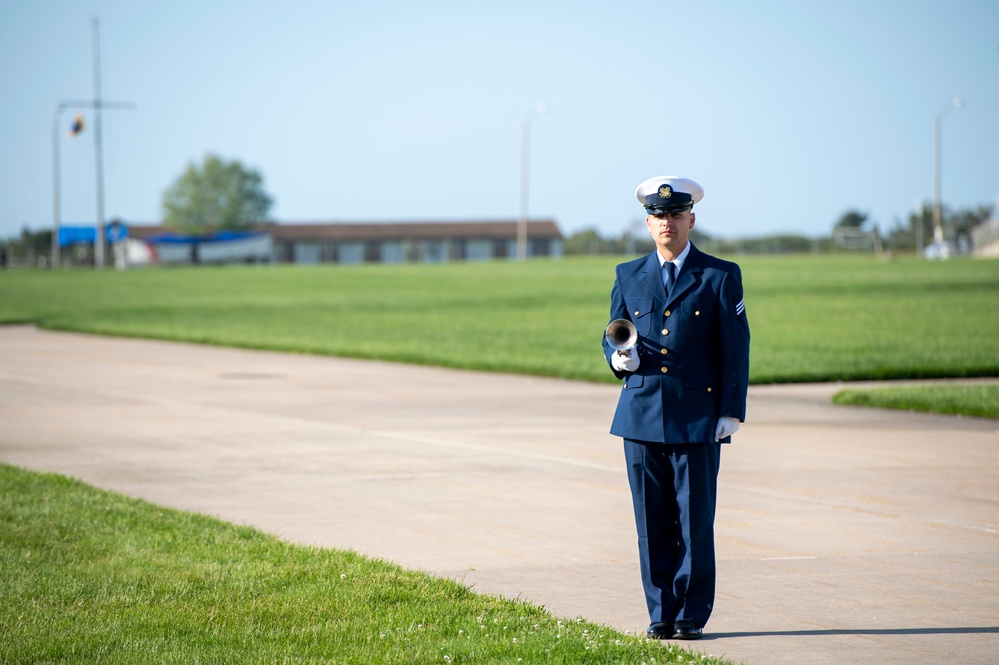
(689, 276)
(653, 277)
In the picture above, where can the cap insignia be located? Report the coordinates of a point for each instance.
(665, 191)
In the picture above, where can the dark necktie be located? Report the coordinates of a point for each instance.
(669, 276)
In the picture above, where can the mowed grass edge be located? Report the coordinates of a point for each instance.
(978, 400)
(821, 318)
(91, 576)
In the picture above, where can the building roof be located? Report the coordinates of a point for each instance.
(373, 231)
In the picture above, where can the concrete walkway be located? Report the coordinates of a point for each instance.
(845, 535)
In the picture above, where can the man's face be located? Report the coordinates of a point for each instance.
(670, 230)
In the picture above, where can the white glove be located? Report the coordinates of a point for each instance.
(628, 363)
(726, 427)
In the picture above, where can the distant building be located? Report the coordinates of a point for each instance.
(222, 247)
(426, 242)
(985, 238)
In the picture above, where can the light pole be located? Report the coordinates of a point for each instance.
(98, 149)
(97, 105)
(56, 177)
(525, 147)
(956, 103)
(56, 215)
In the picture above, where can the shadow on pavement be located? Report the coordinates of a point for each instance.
(858, 631)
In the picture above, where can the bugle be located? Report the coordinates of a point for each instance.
(622, 335)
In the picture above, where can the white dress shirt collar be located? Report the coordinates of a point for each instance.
(678, 261)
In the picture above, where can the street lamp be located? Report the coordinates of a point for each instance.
(97, 105)
(525, 145)
(956, 103)
(54, 261)
(56, 177)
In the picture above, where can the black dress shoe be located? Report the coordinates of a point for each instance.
(685, 630)
(660, 631)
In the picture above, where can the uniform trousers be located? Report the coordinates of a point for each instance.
(673, 489)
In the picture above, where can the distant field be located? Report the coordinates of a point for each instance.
(812, 318)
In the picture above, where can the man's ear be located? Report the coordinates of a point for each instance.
(691, 220)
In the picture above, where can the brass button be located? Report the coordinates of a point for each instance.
(664, 351)
(636, 312)
(665, 332)
(665, 369)
(697, 313)
(666, 313)
(709, 389)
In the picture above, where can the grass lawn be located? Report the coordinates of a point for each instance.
(967, 400)
(88, 576)
(815, 318)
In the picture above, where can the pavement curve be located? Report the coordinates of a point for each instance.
(844, 534)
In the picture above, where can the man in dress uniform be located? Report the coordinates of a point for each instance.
(683, 394)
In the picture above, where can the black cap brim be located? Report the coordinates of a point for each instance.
(665, 210)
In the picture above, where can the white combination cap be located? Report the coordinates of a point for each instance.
(668, 193)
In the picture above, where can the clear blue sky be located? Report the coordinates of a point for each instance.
(788, 113)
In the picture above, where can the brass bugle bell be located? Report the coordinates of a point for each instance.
(622, 335)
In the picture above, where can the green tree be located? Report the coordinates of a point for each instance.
(585, 241)
(589, 241)
(965, 219)
(851, 218)
(955, 224)
(217, 195)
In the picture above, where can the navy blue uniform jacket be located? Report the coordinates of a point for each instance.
(694, 349)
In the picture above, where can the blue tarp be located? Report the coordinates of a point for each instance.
(221, 236)
(71, 235)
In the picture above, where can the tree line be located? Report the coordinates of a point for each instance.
(903, 236)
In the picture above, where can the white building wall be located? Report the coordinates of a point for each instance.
(258, 248)
(985, 239)
(168, 252)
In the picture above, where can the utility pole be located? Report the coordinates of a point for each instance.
(98, 104)
(938, 234)
(99, 244)
(525, 150)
